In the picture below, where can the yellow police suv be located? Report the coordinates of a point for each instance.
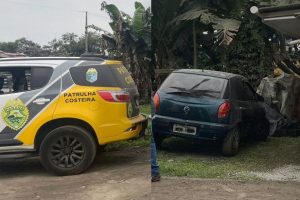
(63, 108)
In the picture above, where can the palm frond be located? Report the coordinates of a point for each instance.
(226, 30)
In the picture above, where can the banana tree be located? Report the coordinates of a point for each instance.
(224, 29)
(131, 39)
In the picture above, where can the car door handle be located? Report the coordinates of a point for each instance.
(242, 108)
(41, 101)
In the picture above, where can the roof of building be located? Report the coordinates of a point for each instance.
(10, 55)
(285, 19)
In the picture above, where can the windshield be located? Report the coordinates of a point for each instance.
(193, 85)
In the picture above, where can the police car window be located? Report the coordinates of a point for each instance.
(21, 79)
(102, 76)
(5, 82)
(40, 76)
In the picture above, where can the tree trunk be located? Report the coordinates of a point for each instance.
(282, 43)
(195, 44)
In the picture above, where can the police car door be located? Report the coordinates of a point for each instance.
(24, 92)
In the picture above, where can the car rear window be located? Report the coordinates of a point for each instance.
(102, 76)
(194, 85)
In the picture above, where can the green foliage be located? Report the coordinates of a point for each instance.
(235, 40)
(134, 143)
(251, 54)
(70, 44)
(139, 20)
(226, 30)
(112, 10)
(132, 40)
(172, 33)
(8, 47)
(23, 45)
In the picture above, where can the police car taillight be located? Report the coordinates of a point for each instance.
(114, 96)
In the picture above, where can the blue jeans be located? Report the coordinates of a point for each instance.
(154, 164)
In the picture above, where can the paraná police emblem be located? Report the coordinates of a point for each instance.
(91, 75)
(15, 114)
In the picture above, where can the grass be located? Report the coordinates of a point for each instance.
(200, 160)
(141, 142)
(135, 143)
(145, 109)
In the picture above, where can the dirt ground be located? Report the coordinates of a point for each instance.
(202, 189)
(125, 175)
(117, 175)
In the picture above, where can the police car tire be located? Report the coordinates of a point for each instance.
(88, 145)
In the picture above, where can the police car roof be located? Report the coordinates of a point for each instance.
(52, 58)
(49, 61)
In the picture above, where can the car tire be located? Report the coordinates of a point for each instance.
(231, 143)
(262, 130)
(158, 140)
(68, 150)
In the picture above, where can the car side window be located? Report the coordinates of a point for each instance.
(237, 90)
(20, 79)
(248, 92)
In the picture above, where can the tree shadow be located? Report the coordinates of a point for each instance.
(18, 166)
(23, 166)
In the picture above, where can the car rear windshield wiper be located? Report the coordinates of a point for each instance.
(179, 88)
(198, 84)
(194, 92)
(179, 92)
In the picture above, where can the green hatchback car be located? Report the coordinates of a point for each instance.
(209, 105)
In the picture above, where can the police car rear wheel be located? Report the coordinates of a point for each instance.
(68, 150)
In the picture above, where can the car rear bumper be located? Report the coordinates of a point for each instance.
(143, 124)
(134, 128)
(163, 126)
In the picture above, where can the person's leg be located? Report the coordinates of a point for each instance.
(155, 172)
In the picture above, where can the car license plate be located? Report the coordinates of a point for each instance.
(188, 130)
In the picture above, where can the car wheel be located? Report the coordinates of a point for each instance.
(68, 150)
(262, 130)
(231, 143)
(158, 140)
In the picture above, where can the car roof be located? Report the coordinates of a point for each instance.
(218, 74)
(51, 58)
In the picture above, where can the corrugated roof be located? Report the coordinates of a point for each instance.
(285, 19)
(10, 55)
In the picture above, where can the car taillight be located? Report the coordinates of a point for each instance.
(156, 101)
(224, 110)
(115, 96)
